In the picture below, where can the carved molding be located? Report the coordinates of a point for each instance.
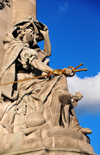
(3, 3)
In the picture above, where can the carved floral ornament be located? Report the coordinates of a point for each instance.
(3, 3)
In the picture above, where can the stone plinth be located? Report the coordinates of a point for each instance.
(51, 142)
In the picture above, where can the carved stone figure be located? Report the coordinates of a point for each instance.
(36, 109)
(37, 103)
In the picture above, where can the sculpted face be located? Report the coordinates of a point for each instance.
(30, 37)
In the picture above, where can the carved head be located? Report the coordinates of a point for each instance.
(28, 35)
(28, 30)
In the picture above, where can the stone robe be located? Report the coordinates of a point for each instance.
(23, 98)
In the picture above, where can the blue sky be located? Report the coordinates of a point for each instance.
(74, 29)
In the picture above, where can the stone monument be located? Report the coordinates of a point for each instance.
(37, 114)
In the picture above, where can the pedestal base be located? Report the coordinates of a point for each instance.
(51, 142)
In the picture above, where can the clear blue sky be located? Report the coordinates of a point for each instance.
(74, 29)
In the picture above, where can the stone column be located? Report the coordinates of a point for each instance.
(23, 8)
(6, 18)
(10, 12)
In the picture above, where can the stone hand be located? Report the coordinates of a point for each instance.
(68, 71)
(44, 33)
(65, 71)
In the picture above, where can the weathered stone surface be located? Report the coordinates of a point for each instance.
(6, 19)
(16, 10)
(14, 144)
(23, 8)
(37, 116)
(65, 132)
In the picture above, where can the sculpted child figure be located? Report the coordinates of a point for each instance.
(37, 103)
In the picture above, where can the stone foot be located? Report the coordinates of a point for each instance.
(85, 130)
(78, 96)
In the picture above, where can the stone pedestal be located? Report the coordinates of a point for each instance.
(51, 142)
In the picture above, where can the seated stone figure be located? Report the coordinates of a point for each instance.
(36, 103)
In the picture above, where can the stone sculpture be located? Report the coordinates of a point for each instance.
(38, 105)
(38, 101)
(3, 3)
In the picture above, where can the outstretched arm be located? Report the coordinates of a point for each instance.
(29, 57)
(39, 65)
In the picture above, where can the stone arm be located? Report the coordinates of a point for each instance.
(47, 44)
(39, 65)
(74, 101)
(42, 54)
(29, 57)
(42, 66)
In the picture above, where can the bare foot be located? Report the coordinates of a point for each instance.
(78, 96)
(85, 130)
